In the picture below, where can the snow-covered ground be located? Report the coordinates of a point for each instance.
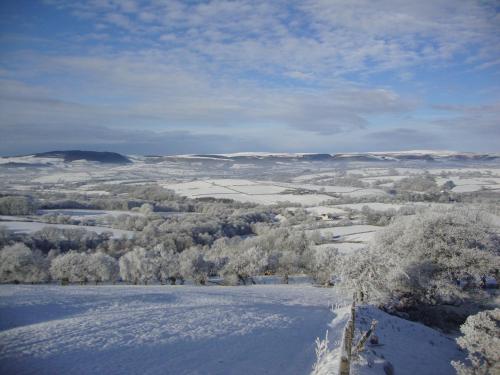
(87, 213)
(343, 247)
(31, 226)
(352, 233)
(407, 347)
(264, 192)
(263, 329)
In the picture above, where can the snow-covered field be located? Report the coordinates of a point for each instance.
(351, 233)
(31, 226)
(263, 329)
(265, 192)
(88, 214)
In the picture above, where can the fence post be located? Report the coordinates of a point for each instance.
(346, 346)
(361, 344)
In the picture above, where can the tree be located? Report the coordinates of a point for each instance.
(193, 266)
(139, 265)
(102, 268)
(431, 258)
(19, 264)
(71, 267)
(168, 263)
(5, 236)
(325, 264)
(421, 183)
(448, 185)
(292, 249)
(146, 209)
(243, 263)
(481, 339)
(17, 205)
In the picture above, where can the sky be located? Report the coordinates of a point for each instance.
(176, 77)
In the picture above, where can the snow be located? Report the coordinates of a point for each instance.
(243, 191)
(248, 154)
(263, 192)
(30, 226)
(350, 238)
(410, 347)
(348, 230)
(321, 210)
(63, 177)
(366, 192)
(342, 247)
(263, 329)
(373, 205)
(466, 188)
(88, 214)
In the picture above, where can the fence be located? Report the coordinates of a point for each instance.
(346, 346)
(346, 349)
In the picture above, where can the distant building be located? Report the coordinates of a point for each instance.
(327, 216)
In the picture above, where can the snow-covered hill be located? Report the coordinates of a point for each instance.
(425, 155)
(264, 329)
(63, 159)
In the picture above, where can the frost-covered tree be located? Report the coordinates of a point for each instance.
(292, 250)
(421, 183)
(374, 217)
(325, 264)
(481, 339)
(192, 265)
(18, 263)
(168, 264)
(139, 265)
(448, 185)
(66, 239)
(71, 267)
(243, 263)
(220, 251)
(17, 205)
(102, 268)
(146, 209)
(433, 257)
(5, 236)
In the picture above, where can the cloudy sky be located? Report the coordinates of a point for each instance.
(170, 77)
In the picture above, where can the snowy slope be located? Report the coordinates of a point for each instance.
(409, 347)
(265, 329)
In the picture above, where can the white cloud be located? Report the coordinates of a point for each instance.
(297, 66)
(320, 36)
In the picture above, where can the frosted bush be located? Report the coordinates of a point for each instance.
(325, 264)
(192, 265)
(433, 257)
(102, 268)
(244, 263)
(72, 266)
(168, 264)
(18, 263)
(139, 265)
(481, 339)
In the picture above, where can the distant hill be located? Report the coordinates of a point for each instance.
(72, 155)
(397, 156)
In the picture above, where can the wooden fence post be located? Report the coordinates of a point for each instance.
(346, 346)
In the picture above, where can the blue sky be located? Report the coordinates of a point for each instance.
(170, 77)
